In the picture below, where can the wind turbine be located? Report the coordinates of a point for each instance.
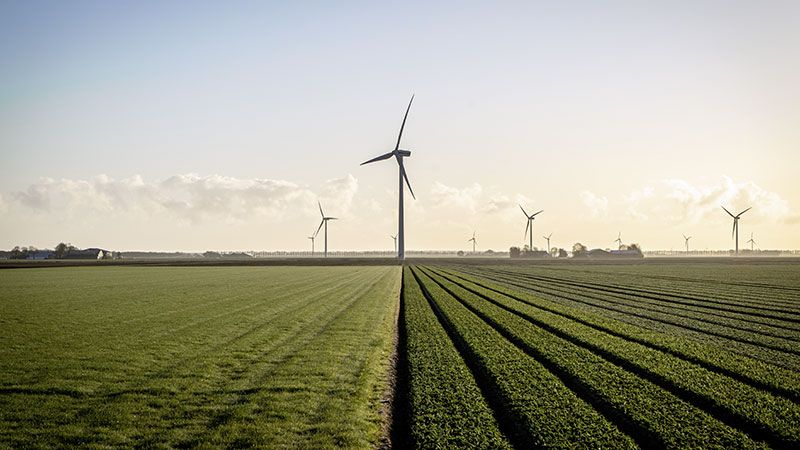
(687, 242)
(751, 242)
(395, 242)
(735, 231)
(399, 155)
(529, 226)
(619, 240)
(312, 244)
(473, 241)
(548, 241)
(324, 222)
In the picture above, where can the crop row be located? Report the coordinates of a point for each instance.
(709, 292)
(772, 323)
(536, 405)
(767, 417)
(447, 409)
(755, 346)
(653, 416)
(774, 379)
(772, 288)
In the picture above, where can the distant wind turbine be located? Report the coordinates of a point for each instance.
(735, 231)
(619, 239)
(312, 244)
(399, 155)
(529, 226)
(394, 238)
(751, 242)
(548, 241)
(474, 241)
(324, 222)
(687, 242)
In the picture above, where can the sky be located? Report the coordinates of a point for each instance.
(189, 126)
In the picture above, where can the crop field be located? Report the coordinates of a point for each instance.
(177, 356)
(434, 354)
(670, 356)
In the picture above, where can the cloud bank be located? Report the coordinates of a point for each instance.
(187, 197)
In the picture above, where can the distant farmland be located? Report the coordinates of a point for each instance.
(490, 354)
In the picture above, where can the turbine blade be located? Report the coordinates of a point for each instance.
(320, 209)
(331, 218)
(748, 209)
(726, 210)
(396, 147)
(733, 230)
(527, 225)
(405, 177)
(534, 214)
(378, 158)
(523, 211)
(320, 227)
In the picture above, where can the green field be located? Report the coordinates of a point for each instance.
(495, 354)
(614, 356)
(171, 356)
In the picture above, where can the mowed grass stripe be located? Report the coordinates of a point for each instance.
(776, 380)
(319, 373)
(128, 396)
(446, 408)
(538, 405)
(761, 415)
(661, 419)
(783, 354)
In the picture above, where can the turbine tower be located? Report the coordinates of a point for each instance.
(619, 240)
(687, 242)
(394, 238)
(312, 244)
(399, 155)
(324, 222)
(751, 242)
(548, 241)
(735, 231)
(529, 226)
(473, 241)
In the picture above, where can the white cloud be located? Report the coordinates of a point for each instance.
(637, 198)
(186, 196)
(696, 202)
(467, 198)
(597, 205)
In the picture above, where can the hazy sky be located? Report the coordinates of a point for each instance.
(193, 126)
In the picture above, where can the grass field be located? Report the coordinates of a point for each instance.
(495, 354)
(171, 356)
(615, 356)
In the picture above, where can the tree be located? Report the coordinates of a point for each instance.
(514, 252)
(578, 249)
(562, 253)
(61, 250)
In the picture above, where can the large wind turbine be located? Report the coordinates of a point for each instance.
(687, 242)
(751, 242)
(324, 222)
(394, 238)
(399, 155)
(312, 244)
(735, 231)
(548, 241)
(474, 241)
(529, 226)
(619, 240)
